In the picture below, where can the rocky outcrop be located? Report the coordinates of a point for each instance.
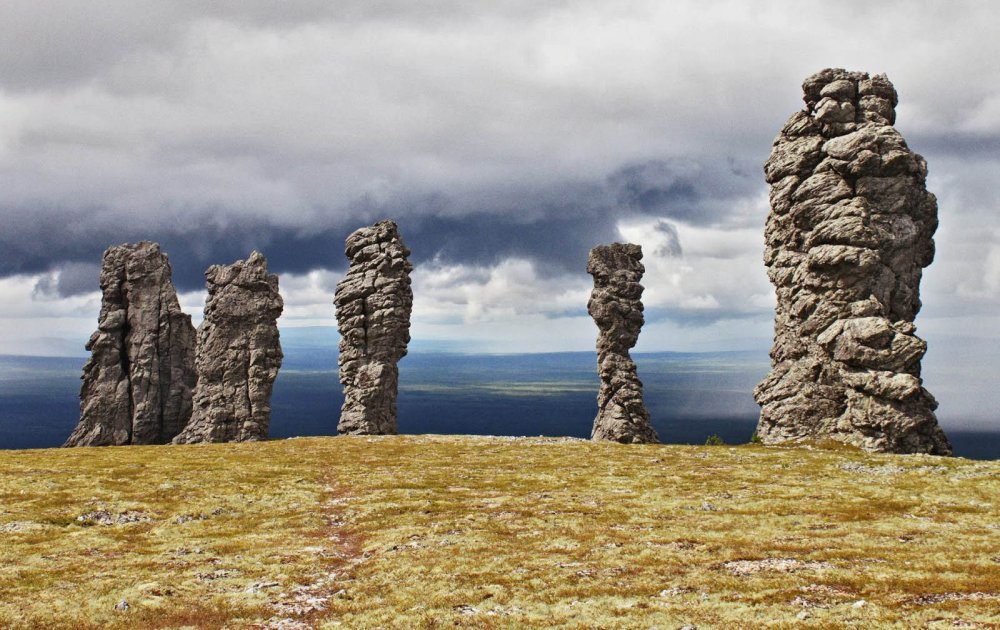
(137, 384)
(616, 306)
(849, 233)
(239, 354)
(373, 305)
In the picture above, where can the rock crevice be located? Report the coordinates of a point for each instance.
(850, 230)
(239, 354)
(616, 306)
(373, 304)
(137, 384)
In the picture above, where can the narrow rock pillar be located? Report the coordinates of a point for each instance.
(616, 306)
(373, 305)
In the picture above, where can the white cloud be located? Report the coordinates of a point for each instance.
(719, 273)
(37, 323)
(308, 298)
(512, 288)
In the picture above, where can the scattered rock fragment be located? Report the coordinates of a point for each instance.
(872, 470)
(774, 565)
(106, 518)
(218, 574)
(137, 383)
(849, 233)
(239, 354)
(257, 587)
(373, 305)
(22, 526)
(616, 306)
(938, 598)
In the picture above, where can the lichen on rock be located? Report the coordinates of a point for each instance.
(239, 354)
(616, 306)
(373, 304)
(850, 230)
(137, 383)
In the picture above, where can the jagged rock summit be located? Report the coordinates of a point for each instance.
(373, 304)
(616, 306)
(239, 354)
(137, 384)
(849, 233)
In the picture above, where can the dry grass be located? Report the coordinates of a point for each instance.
(422, 531)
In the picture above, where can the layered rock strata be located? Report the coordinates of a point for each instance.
(137, 384)
(239, 354)
(616, 306)
(849, 233)
(373, 304)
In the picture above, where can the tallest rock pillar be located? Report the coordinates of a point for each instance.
(849, 233)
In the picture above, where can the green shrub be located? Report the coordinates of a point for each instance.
(714, 440)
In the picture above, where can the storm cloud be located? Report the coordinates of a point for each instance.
(556, 223)
(506, 138)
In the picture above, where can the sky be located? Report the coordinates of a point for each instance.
(505, 138)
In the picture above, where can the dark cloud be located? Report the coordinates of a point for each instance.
(69, 279)
(555, 225)
(72, 262)
(672, 242)
(655, 186)
(697, 191)
(964, 145)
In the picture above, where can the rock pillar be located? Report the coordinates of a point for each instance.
(373, 305)
(239, 354)
(137, 384)
(616, 306)
(849, 233)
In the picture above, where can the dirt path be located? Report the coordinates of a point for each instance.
(337, 551)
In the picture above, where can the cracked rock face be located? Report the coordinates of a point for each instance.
(373, 305)
(848, 236)
(239, 354)
(137, 384)
(616, 306)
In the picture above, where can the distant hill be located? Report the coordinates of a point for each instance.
(690, 395)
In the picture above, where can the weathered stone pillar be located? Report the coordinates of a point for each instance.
(239, 354)
(373, 305)
(137, 383)
(848, 236)
(616, 306)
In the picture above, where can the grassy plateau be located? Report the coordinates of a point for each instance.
(445, 531)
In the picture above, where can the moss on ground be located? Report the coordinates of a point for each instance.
(434, 531)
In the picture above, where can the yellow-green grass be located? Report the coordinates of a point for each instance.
(439, 531)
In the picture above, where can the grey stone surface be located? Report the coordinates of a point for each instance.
(373, 305)
(239, 354)
(616, 306)
(849, 233)
(137, 384)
